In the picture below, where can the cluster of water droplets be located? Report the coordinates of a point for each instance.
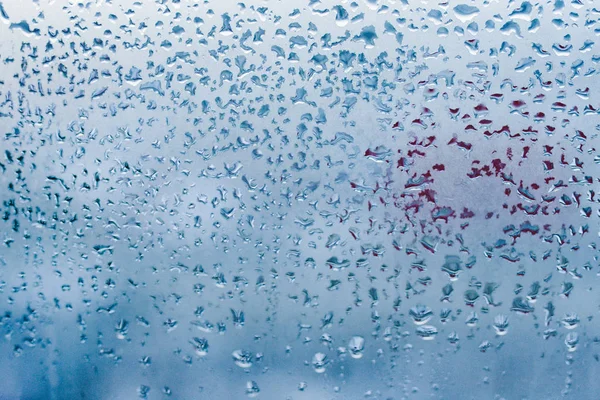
(314, 200)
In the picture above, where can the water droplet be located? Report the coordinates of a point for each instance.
(319, 362)
(356, 346)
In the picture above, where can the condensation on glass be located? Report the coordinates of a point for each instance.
(299, 200)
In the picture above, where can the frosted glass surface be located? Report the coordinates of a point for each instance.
(299, 199)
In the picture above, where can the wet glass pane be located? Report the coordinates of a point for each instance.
(299, 199)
